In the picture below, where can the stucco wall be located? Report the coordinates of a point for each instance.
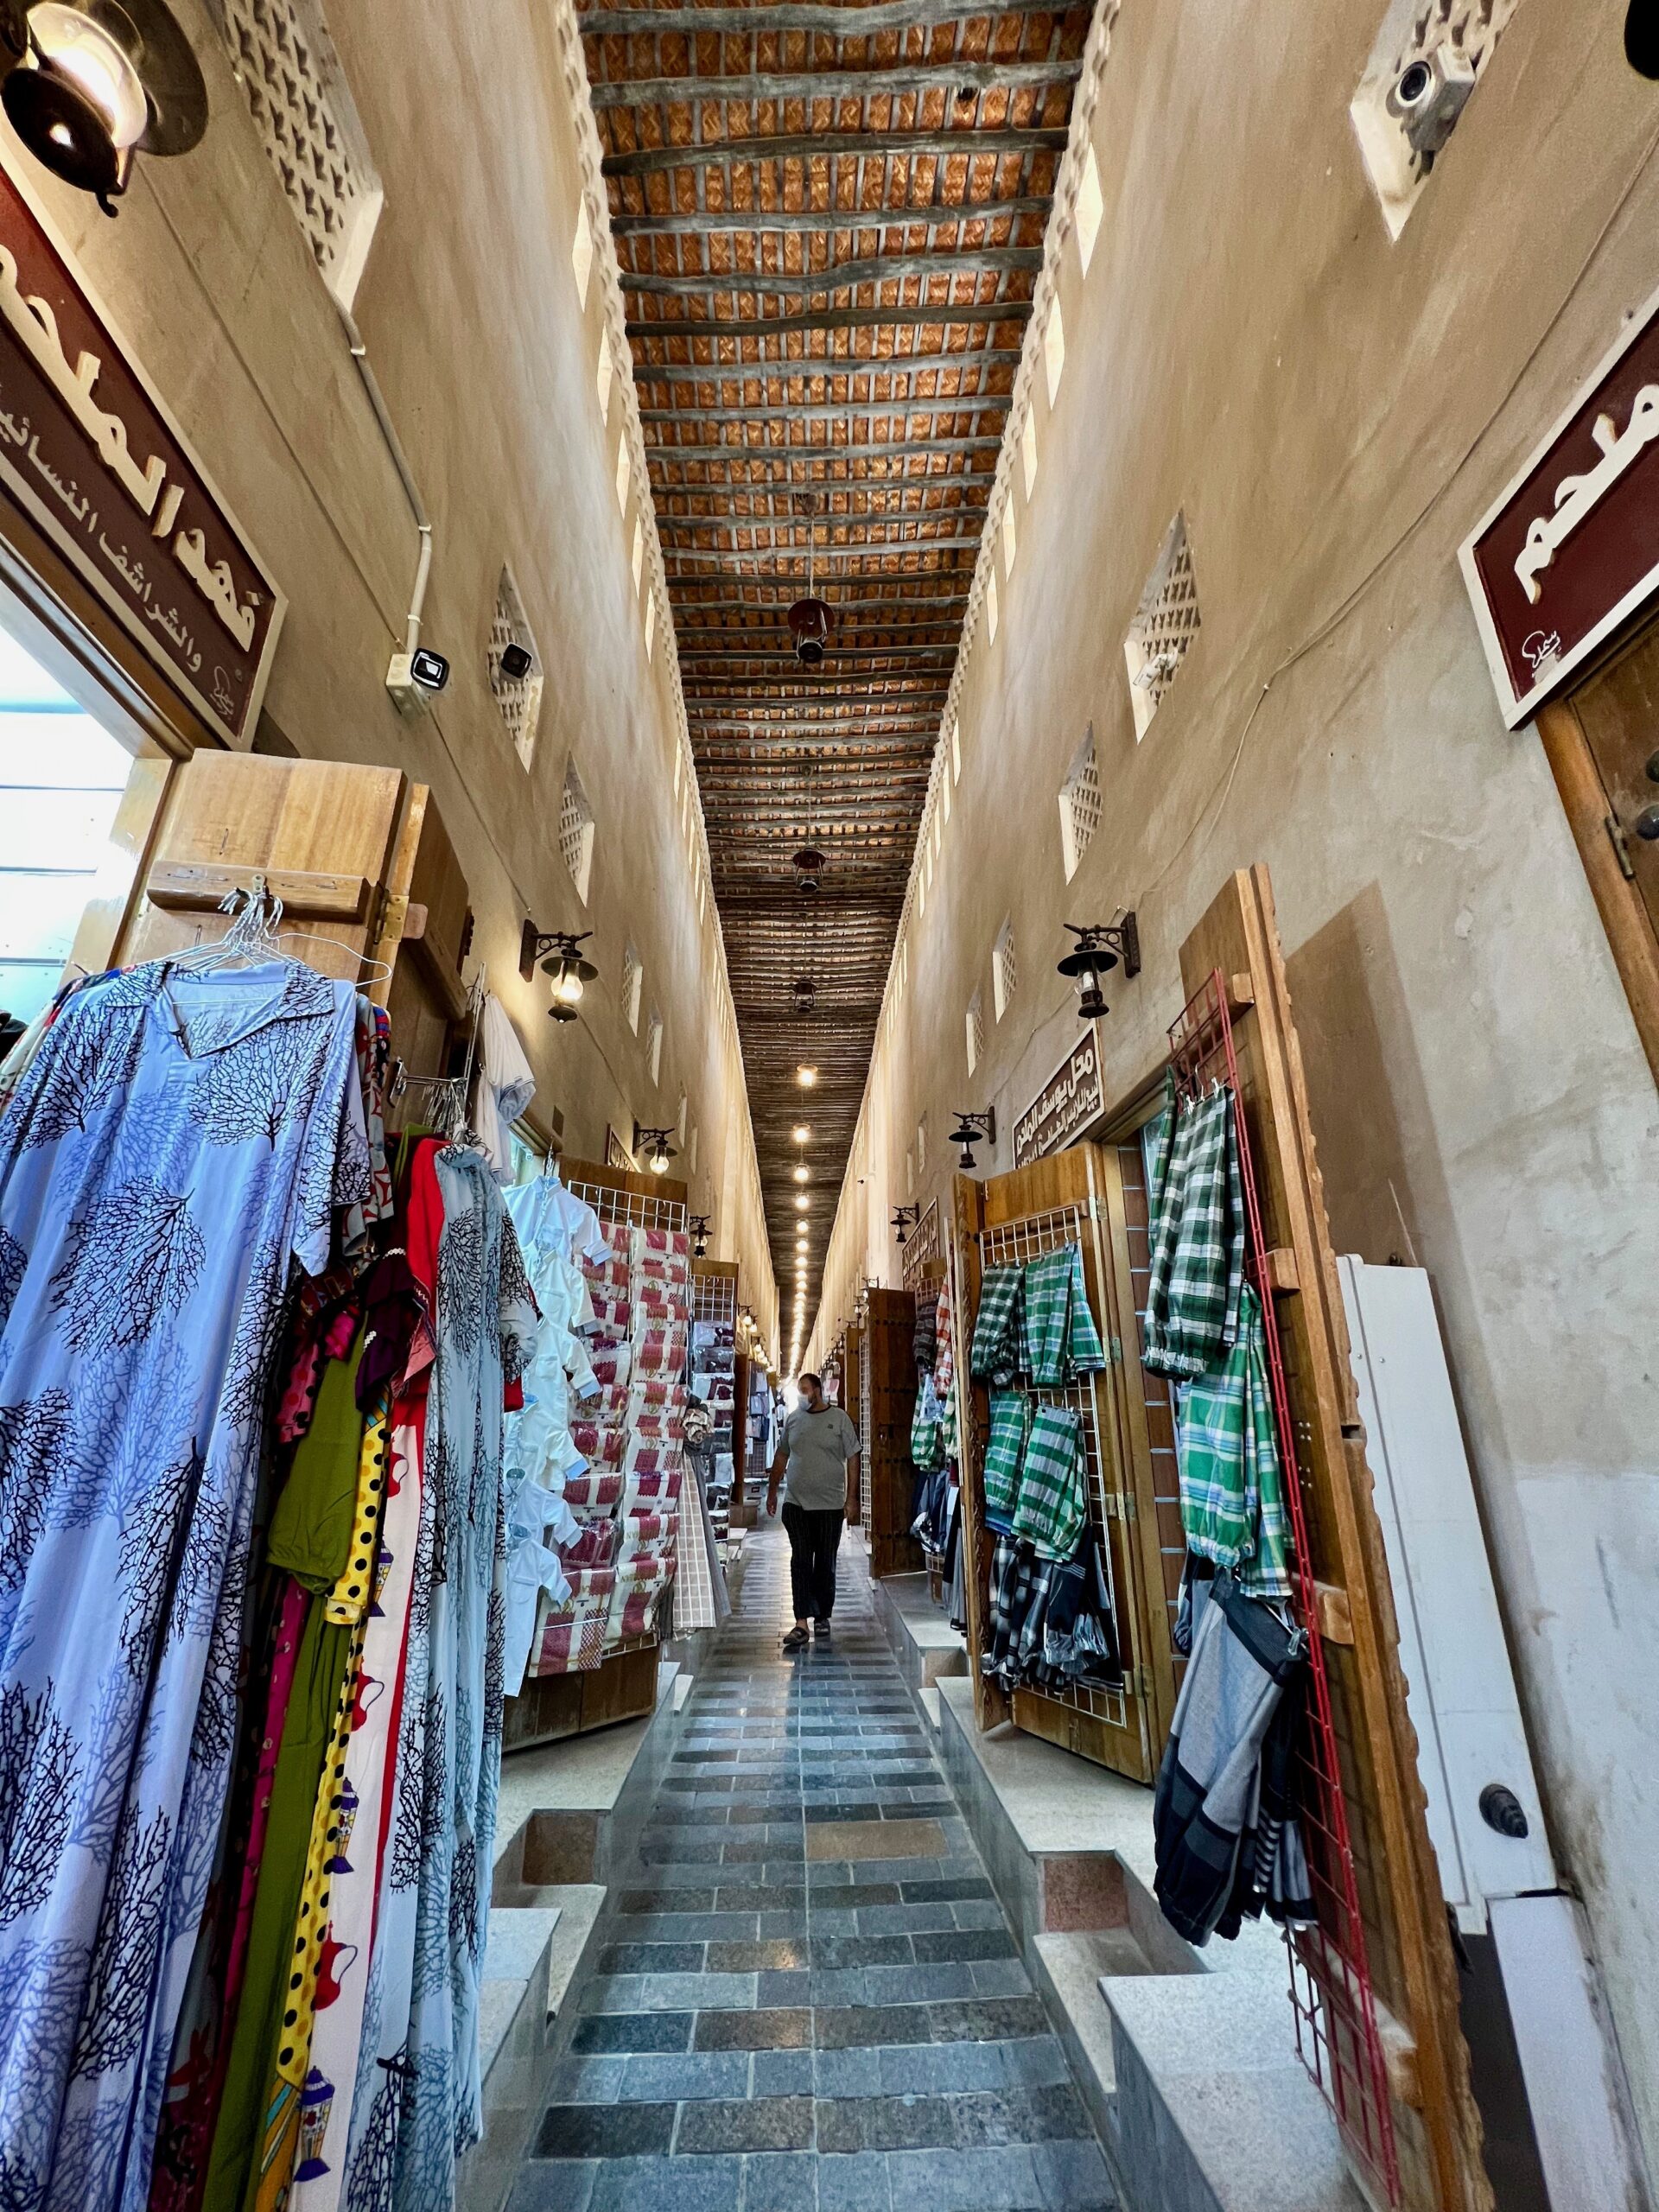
(1333, 412)
(487, 359)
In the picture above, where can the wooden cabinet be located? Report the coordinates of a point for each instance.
(360, 858)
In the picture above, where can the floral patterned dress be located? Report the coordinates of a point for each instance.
(177, 1140)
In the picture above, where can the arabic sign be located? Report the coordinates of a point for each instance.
(88, 452)
(1072, 1097)
(1572, 549)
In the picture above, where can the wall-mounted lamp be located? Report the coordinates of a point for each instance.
(698, 1225)
(1641, 37)
(905, 1218)
(970, 1129)
(91, 84)
(1096, 952)
(560, 953)
(654, 1143)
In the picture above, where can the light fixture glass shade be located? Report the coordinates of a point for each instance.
(73, 47)
(802, 1202)
(803, 1175)
(566, 984)
(806, 1077)
(801, 1132)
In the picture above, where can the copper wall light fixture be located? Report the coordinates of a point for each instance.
(654, 1143)
(560, 953)
(1096, 952)
(972, 1129)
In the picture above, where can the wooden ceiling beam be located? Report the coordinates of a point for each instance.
(720, 222)
(830, 411)
(942, 315)
(668, 527)
(804, 15)
(806, 145)
(808, 367)
(839, 277)
(888, 81)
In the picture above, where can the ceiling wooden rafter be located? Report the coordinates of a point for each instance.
(829, 223)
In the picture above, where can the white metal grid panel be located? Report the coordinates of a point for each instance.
(1005, 970)
(1015, 1244)
(1164, 624)
(303, 105)
(576, 831)
(1079, 804)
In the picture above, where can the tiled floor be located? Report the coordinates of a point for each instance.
(810, 1999)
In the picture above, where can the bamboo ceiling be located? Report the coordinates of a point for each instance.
(828, 220)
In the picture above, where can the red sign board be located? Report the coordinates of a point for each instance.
(1572, 549)
(90, 454)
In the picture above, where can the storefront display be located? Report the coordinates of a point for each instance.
(256, 1370)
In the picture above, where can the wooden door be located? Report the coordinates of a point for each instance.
(852, 1397)
(1011, 1219)
(1430, 2124)
(1602, 748)
(887, 1388)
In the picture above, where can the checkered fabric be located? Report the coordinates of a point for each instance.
(1198, 1245)
(1061, 1339)
(1011, 1565)
(944, 1354)
(998, 1327)
(1052, 1502)
(1010, 1418)
(926, 1443)
(1232, 1481)
(1155, 1139)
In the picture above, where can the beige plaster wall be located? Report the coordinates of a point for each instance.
(1334, 412)
(487, 359)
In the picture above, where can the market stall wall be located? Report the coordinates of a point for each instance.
(1331, 411)
(488, 358)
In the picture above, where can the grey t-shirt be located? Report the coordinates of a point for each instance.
(819, 1445)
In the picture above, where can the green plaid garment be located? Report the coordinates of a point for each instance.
(1061, 1339)
(1232, 1482)
(1198, 1245)
(927, 1444)
(1010, 1418)
(998, 1331)
(1155, 1139)
(1052, 1504)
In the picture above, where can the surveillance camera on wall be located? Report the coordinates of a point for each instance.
(516, 661)
(413, 680)
(1426, 99)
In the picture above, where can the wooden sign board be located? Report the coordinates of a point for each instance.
(1071, 1100)
(92, 457)
(1571, 550)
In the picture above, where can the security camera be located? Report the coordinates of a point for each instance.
(414, 678)
(516, 663)
(1426, 99)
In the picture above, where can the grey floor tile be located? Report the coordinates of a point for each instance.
(714, 2185)
(751, 2124)
(859, 2183)
(613, 2131)
(848, 2072)
(631, 2031)
(554, 2185)
(1072, 2176)
(780, 2181)
(781, 2073)
(963, 1946)
(763, 2029)
(686, 2075)
(967, 2181)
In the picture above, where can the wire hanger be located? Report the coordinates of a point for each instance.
(255, 935)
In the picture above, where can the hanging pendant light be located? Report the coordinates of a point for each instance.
(805, 994)
(93, 84)
(808, 618)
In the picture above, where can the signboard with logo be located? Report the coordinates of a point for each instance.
(1071, 1100)
(1572, 549)
(92, 456)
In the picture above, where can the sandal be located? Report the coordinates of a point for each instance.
(794, 1639)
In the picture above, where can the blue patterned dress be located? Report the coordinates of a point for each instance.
(175, 1140)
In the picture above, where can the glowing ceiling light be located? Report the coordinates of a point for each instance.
(802, 1174)
(802, 1202)
(801, 1133)
(806, 1077)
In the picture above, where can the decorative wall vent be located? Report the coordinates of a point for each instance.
(680, 1121)
(1079, 803)
(975, 1031)
(633, 983)
(921, 1146)
(1010, 538)
(910, 1174)
(1428, 57)
(581, 250)
(303, 107)
(1005, 972)
(1164, 624)
(519, 698)
(1028, 450)
(1053, 351)
(576, 831)
(1092, 206)
(990, 607)
(654, 1045)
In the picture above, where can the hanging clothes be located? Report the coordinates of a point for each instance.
(417, 2099)
(1005, 1455)
(998, 1326)
(506, 1085)
(1232, 1483)
(175, 1139)
(1051, 1503)
(1198, 1244)
(1061, 1340)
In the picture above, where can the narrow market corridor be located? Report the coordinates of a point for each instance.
(809, 1996)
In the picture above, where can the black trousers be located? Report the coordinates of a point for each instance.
(814, 1540)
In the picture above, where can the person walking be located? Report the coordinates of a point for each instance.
(817, 1460)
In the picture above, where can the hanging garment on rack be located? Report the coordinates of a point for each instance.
(1005, 1455)
(1232, 1484)
(506, 1086)
(1198, 1244)
(373, 1041)
(999, 1327)
(1207, 1805)
(176, 1137)
(1052, 1505)
(1156, 1137)
(926, 1342)
(1061, 1340)
(417, 2100)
